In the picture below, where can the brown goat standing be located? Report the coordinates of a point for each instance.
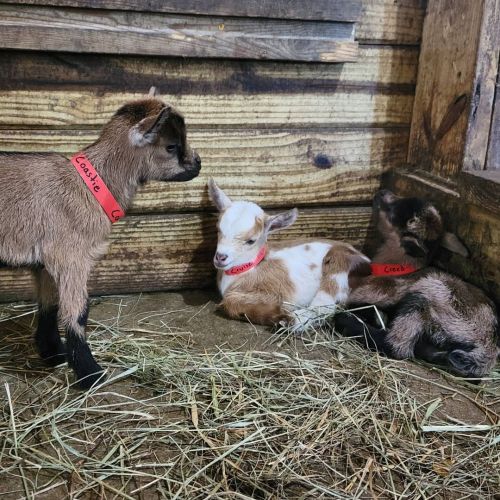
(432, 315)
(50, 221)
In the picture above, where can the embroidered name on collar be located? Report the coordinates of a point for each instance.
(392, 269)
(97, 187)
(247, 266)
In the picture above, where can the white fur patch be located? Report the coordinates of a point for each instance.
(304, 264)
(323, 298)
(239, 218)
(136, 137)
(342, 280)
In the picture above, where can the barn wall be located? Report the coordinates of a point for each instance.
(265, 130)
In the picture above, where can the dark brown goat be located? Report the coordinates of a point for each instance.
(432, 315)
(50, 221)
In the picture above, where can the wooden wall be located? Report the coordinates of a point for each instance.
(281, 133)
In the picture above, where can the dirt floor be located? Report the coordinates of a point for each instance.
(46, 454)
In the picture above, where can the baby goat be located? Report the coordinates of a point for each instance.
(432, 315)
(50, 220)
(258, 279)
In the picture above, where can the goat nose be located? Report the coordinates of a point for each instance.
(197, 160)
(221, 257)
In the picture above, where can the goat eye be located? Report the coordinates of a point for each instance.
(249, 242)
(171, 148)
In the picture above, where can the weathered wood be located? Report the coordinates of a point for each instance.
(320, 10)
(118, 32)
(485, 79)
(282, 167)
(479, 229)
(455, 88)
(381, 21)
(482, 189)
(175, 251)
(389, 21)
(82, 109)
(493, 158)
(379, 70)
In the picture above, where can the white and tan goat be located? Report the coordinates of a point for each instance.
(269, 282)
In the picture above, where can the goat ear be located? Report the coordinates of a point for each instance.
(359, 265)
(280, 221)
(451, 242)
(148, 129)
(153, 92)
(434, 222)
(220, 199)
(414, 247)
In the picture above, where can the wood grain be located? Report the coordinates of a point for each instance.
(379, 69)
(389, 21)
(166, 252)
(455, 88)
(381, 21)
(482, 189)
(281, 167)
(85, 109)
(493, 158)
(320, 10)
(484, 85)
(118, 32)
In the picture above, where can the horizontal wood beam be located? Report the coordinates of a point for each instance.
(167, 252)
(83, 109)
(381, 21)
(320, 10)
(379, 70)
(295, 167)
(119, 32)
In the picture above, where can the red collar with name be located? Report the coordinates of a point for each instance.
(392, 269)
(97, 187)
(249, 265)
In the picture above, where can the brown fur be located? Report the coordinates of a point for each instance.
(255, 232)
(259, 296)
(437, 316)
(50, 220)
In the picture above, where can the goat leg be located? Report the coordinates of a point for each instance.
(47, 338)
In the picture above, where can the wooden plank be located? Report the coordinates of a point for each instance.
(379, 69)
(485, 79)
(175, 251)
(319, 10)
(83, 109)
(455, 85)
(482, 189)
(389, 21)
(117, 32)
(493, 158)
(381, 21)
(305, 168)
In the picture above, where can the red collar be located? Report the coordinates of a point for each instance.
(249, 265)
(97, 187)
(392, 269)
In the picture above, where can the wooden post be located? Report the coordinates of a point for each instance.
(456, 86)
